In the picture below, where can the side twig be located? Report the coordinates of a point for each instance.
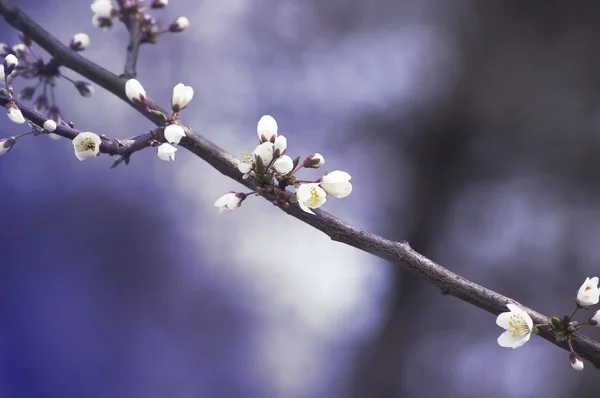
(399, 253)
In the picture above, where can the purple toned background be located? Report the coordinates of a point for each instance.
(471, 129)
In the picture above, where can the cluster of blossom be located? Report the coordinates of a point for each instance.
(273, 171)
(173, 132)
(105, 11)
(30, 66)
(87, 144)
(9, 66)
(519, 325)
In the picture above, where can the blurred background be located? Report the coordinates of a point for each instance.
(471, 130)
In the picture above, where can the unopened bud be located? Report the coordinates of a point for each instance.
(10, 64)
(159, 3)
(14, 113)
(84, 88)
(576, 362)
(179, 25)
(6, 144)
(79, 42)
(314, 161)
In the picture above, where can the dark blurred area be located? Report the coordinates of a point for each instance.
(471, 129)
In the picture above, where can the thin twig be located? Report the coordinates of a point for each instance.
(399, 253)
(132, 24)
(109, 146)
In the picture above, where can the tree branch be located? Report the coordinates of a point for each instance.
(110, 146)
(132, 24)
(399, 253)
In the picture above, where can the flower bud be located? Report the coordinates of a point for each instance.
(84, 88)
(182, 95)
(283, 165)
(79, 42)
(314, 161)
(6, 144)
(14, 113)
(280, 146)
(576, 362)
(179, 25)
(159, 3)
(10, 64)
(135, 92)
(267, 129)
(49, 125)
(265, 152)
(230, 201)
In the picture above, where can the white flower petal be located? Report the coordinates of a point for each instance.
(284, 164)
(166, 152)
(174, 133)
(265, 152)
(86, 145)
(310, 196)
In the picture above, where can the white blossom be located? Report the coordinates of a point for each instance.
(283, 165)
(230, 201)
(14, 113)
(182, 95)
(337, 184)
(265, 152)
(518, 325)
(179, 25)
(79, 42)
(86, 145)
(314, 161)
(245, 167)
(310, 196)
(280, 146)
(102, 8)
(267, 128)
(135, 91)
(576, 362)
(174, 133)
(10, 64)
(588, 293)
(166, 152)
(49, 125)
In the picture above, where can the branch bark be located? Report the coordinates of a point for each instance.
(397, 252)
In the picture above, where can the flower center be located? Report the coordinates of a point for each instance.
(88, 144)
(517, 325)
(314, 197)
